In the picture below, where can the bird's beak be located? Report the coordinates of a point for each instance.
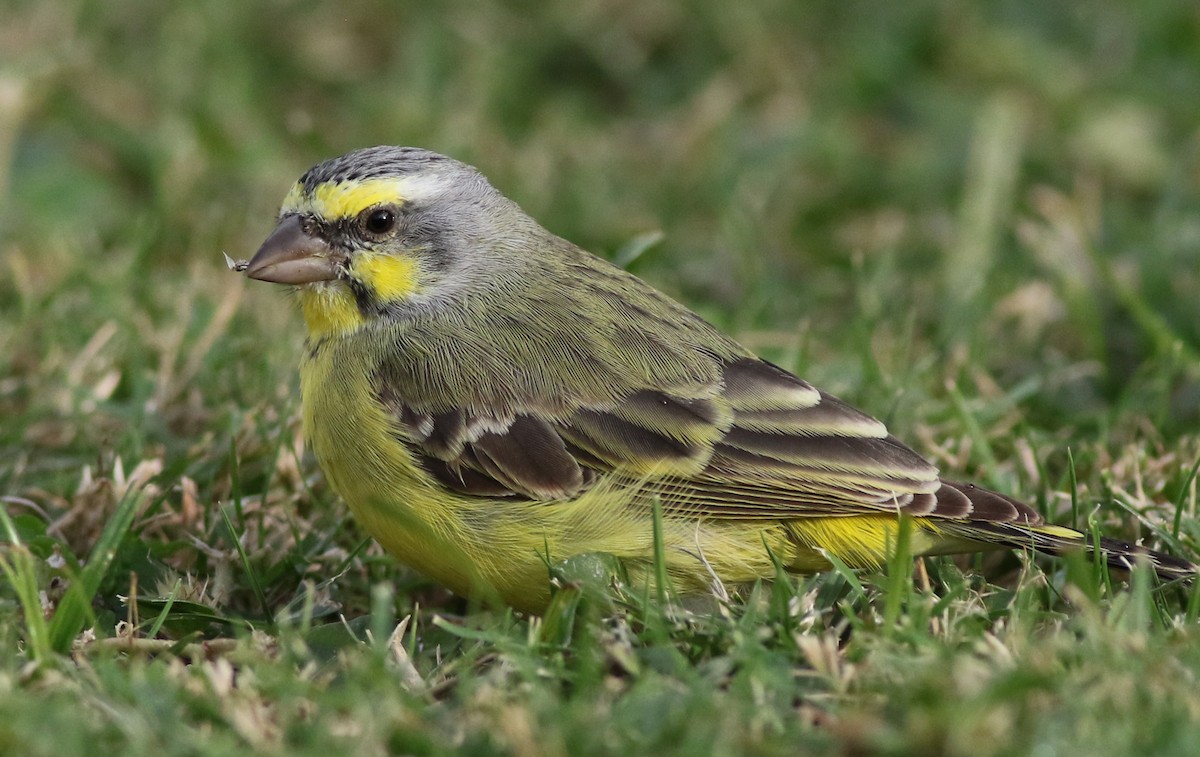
(292, 256)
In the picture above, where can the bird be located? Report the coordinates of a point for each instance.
(489, 399)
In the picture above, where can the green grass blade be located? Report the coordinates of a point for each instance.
(76, 607)
(251, 573)
(20, 568)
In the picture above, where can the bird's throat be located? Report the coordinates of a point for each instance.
(339, 307)
(330, 309)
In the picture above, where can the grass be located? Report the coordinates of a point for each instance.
(976, 222)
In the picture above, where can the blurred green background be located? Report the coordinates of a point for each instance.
(978, 221)
(1017, 178)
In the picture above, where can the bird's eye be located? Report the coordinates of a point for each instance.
(380, 220)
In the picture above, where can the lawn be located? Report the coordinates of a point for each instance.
(980, 222)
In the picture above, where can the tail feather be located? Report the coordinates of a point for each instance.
(1122, 554)
(1057, 540)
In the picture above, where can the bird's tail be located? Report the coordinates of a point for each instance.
(1122, 554)
(1058, 540)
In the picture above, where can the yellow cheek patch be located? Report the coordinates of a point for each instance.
(329, 309)
(389, 277)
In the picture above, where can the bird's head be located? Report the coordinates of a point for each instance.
(381, 232)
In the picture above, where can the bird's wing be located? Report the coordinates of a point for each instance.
(757, 443)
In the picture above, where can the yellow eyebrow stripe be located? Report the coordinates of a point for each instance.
(344, 199)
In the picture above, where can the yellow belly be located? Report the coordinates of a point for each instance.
(500, 548)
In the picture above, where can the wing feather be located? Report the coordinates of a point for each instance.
(757, 443)
(529, 457)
